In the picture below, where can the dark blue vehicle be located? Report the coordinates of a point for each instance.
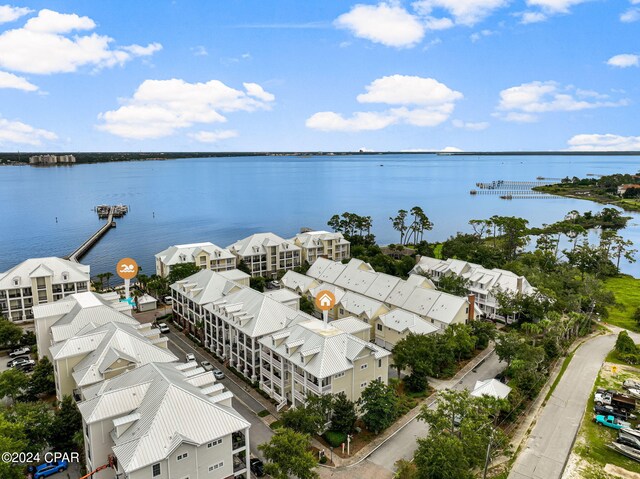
(50, 468)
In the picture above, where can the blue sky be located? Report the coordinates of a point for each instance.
(320, 75)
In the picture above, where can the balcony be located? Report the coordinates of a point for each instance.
(238, 440)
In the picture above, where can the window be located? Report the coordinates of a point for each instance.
(182, 456)
(364, 366)
(341, 311)
(379, 327)
(214, 443)
(379, 363)
(155, 470)
(216, 466)
(339, 375)
(363, 385)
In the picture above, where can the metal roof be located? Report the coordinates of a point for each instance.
(39, 267)
(186, 253)
(400, 320)
(257, 243)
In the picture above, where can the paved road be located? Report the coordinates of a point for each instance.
(404, 444)
(549, 445)
(243, 402)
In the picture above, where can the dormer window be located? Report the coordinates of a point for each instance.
(16, 281)
(65, 276)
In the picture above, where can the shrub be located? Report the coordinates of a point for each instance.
(335, 438)
(263, 413)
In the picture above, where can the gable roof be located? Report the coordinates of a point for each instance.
(44, 267)
(297, 282)
(165, 409)
(400, 320)
(313, 239)
(186, 253)
(491, 387)
(257, 243)
(205, 286)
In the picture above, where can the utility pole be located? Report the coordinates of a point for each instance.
(488, 456)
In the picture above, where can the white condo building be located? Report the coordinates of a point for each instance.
(39, 281)
(164, 421)
(482, 282)
(204, 255)
(317, 244)
(311, 357)
(266, 253)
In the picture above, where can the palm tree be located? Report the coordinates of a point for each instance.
(108, 275)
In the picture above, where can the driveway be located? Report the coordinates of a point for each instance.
(404, 444)
(243, 402)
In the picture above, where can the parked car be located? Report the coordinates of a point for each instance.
(190, 357)
(257, 466)
(610, 421)
(26, 367)
(629, 437)
(20, 351)
(206, 365)
(611, 411)
(50, 468)
(218, 374)
(13, 361)
(22, 361)
(163, 328)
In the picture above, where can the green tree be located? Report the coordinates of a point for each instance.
(306, 305)
(258, 283)
(344, 414)
(454, 284)
(483, 331)
(36, 420)
(66, 422)
(507, 346)
(10, 333)
(288, 454)
(42, 382)
(242, 266)
(460, 341)
(405, 470)
(181, 271)
(302, 420)
(636, 315)
(399, 224)
(378, 405)
(624, 344)
(442, 456)
(12, 439)
(13, 383)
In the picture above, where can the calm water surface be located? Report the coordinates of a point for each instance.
(224, 199)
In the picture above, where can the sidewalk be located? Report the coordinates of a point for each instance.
(396, 427)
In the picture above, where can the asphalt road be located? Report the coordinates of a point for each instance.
(404, 444)
(243, 402)
(549, 445)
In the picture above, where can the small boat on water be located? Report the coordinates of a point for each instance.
(506, 197)
(627, 451)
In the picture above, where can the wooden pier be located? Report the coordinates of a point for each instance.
(104, 211)
(510, 190)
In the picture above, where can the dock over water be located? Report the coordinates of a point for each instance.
(104, 211)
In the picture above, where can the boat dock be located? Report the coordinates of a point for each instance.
(104, 211)
(509, 190)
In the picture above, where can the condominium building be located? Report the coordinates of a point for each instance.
(366, 294)
(204, 255)
(39, 281)
(311, 357)
(59, 321)
(164, 421)
(95, 354)
(316, 244)
(266, 253)
(396, 324)
(483, 283)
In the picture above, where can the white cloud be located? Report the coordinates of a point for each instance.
(408, 90)
(469, 125)
(159, 108)
(532, 17)
(385, 23)
(524, 102)
(607, 142)
(631, 15)
(420, 102)
(433, 23)
(200, 51)
(9, 13)
(49, 43)
(256, 91)
(213, 136)
(451, 149)
(360, 121)
(464, 12)
(22, 134)
(555, 6)
(624, 60)
(9, 80)
(482, 33)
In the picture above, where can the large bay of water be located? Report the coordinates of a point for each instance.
(225, 199)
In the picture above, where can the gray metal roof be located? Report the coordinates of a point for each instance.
(186, 253)
(40, 267)
(256, 244)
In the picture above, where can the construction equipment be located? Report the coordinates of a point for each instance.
(113, 463)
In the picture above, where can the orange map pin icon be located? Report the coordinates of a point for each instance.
(325, 300)
(127, 268)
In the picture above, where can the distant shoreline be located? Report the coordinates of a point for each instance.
(22, 158)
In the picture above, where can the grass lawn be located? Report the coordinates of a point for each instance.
(627, 292)
(592, 445)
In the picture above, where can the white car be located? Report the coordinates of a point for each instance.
(20, 351)
(163, 328)
(190, 357)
